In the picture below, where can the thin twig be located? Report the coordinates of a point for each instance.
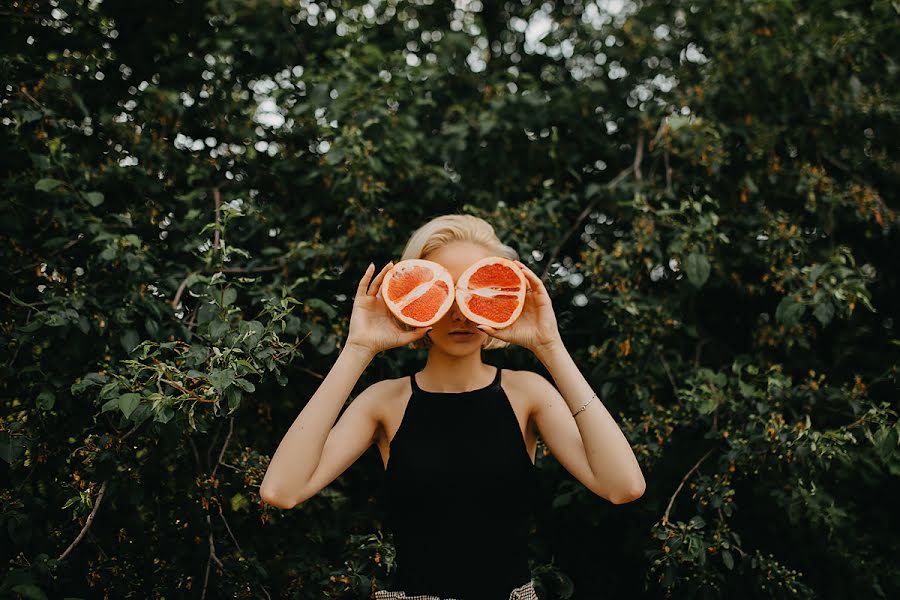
(313, 373)
(660, 131)
(581, 217)
(733, 545)
(66, 246)
(87, 523)
(196, 454)
(669, 191)
(697, 352)
(639, 156)
(234, 539)
(19, 343)
(180, 290)
(25, 93)
(665, 518)
(178, 386)
(130, 431)
(251, 269)
(224, 445)
(212, 543)
(668, 370)
(217, 195)
(212, 445)
(212, 557)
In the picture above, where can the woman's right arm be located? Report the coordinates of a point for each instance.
(312, 453)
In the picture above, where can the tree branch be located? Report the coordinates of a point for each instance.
(665, 518)
(581, 217)
(217, 195)
(639, 156)
(87, 523)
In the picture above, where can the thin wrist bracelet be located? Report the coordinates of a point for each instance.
(583, 406)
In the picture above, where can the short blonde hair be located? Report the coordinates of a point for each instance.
(456, 228)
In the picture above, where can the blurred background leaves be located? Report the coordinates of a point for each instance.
(193, 190)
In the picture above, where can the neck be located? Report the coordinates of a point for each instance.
(454, 373)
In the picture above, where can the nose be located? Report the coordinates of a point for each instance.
(456, 314)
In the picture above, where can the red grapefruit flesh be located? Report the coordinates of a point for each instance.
(418, 292)
(492, 292)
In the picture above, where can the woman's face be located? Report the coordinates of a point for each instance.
(456, 257)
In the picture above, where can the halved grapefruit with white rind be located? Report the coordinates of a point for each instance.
(418, 292)
(492, 292)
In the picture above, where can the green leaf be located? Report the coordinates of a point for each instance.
(245, 385)
(94, 198)
(130, 339)
(128, 402)
(46, 400)
(217, 329)
(47, 185)
(824, 312)
(71, 501)
(789, 311)
(728, 559)
(239, 502)
(164, 414)
(10, 447)
(326, 308)
(229, 296)
(250, 332)
(30, 591)
(697, 267)
(221, 378)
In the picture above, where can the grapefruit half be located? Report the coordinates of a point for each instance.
(492, 292)
(418, 292)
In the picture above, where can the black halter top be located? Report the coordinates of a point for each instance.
(459, 486)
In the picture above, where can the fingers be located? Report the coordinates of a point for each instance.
(417, 333)
(535, 281)
(376, 285)
(364, 282)
(364, 288)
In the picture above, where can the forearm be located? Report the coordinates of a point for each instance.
(610, 455)
(298, 454)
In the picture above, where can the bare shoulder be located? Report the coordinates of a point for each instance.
(382, 399)
(529, 381)
(524, 385)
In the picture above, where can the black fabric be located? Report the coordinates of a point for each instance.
(459, 486)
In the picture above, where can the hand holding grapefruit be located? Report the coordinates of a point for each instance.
(535, 326)
(372, 327)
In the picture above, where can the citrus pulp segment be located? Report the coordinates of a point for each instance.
(418, 292)
(492, 292)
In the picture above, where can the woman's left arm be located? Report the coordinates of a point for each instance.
(615, 469)
(590, 446)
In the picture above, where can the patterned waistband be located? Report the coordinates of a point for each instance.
(523, 592)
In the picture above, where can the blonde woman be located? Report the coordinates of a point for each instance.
(458, 438)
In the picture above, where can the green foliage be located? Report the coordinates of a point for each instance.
(192, 191)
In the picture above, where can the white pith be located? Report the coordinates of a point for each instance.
(463, 294)
(418, 292)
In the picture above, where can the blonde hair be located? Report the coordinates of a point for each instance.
(456, 228)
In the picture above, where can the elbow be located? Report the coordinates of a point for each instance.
(635, 493)
(275, 499)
